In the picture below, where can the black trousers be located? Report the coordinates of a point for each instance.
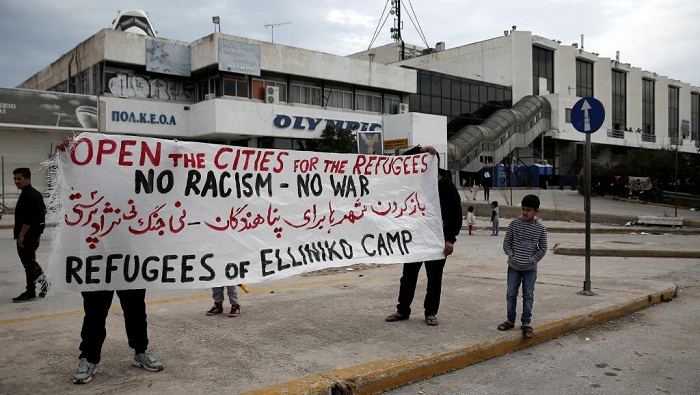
(27, 255)
(409, 279)
(96, 305)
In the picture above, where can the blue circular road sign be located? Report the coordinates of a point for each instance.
(587, 115)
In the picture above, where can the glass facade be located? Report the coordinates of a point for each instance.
(694, 116)
(542, 68)
(619, 100)
(673, 118)
(584, 78)
(648, 107)
(462, 101)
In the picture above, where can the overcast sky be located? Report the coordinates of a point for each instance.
(661, 36)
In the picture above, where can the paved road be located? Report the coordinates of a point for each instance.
(653, 351)
(572, 200)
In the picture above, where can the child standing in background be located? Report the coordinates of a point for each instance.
(494, 218)
(471, 218)
(525, 245)
(218, 296)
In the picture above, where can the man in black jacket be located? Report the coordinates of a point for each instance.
(30, 215)
(451, 211)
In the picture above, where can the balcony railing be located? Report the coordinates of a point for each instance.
(616, 134)
(675, 141)
(649, 138)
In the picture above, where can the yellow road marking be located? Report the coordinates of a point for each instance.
(178, 300)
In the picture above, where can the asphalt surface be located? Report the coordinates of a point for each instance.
(324, 332)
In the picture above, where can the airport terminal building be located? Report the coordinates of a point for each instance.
(507, 100)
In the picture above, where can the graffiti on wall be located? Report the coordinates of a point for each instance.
(138, 86)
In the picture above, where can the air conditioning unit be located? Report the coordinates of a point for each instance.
(272, 94)
(210, 96)
(403, 108)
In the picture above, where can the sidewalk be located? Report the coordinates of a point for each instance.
(324, 332)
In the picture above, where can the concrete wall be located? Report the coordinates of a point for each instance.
(521, 64)
(27, 148)
(634, 98)
(419, 129)
(488, 60)
(304, 62)
(128, 48)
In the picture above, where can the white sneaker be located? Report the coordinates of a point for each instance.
(85, 372)
(147, 361)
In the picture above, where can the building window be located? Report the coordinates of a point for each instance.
(338, 97)
(673, 116)
(368, 101)
(463, 101)
(214, 86)
(236, 86)
(648, 106)
(259, 86)
(619, 100)
(542, 69)
(392, 104)
(98, 79)
(694, 116)
(584, 78)
(305, 92)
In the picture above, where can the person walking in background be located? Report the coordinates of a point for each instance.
(471, 219)
(525, 244)
(475, 190)
(451, 213)
(486, 183)
(217, 294)
(494, 218)
(30, 214)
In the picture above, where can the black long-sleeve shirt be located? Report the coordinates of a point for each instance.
(30, 210)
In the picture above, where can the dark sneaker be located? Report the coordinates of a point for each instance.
(217, 309)
(24, 297)
(147, 361)
(42, 285)
(85, 372)
(235, 311)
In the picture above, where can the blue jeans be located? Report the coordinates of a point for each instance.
(527, 279)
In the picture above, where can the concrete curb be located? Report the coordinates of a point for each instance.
(375, 377)
(627, 252)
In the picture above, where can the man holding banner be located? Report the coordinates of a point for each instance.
(451, 211)
(96, 305)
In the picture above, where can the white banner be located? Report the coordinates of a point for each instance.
(147, 213)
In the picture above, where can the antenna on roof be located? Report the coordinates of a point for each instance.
(272, 25)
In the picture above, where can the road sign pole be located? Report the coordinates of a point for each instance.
(587, 116)
(587, 210)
